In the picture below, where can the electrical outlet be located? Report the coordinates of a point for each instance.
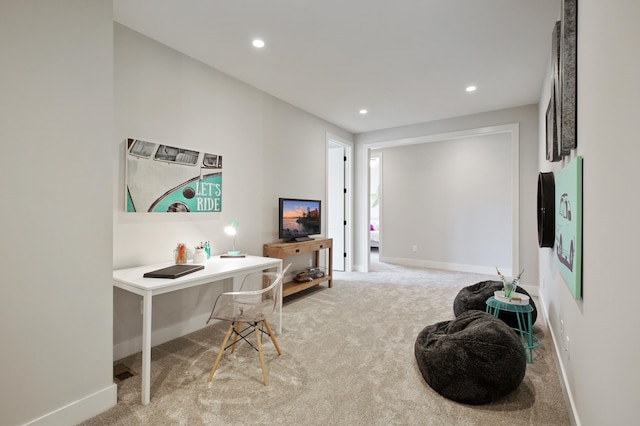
(414, 248)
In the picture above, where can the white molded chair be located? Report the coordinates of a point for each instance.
(251, 307)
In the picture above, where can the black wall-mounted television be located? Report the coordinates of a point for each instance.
(298, 218)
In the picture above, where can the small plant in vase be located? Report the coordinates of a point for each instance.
(509, 287)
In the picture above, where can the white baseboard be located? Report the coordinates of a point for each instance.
(488, 270)
(446, 266)
(158, 336)
(80, 410)
(566, 390)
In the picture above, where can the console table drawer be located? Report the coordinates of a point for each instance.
(291, 249)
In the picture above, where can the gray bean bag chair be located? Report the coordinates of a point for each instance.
(473, 359)
(475, 296)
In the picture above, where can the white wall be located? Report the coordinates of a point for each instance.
(600, 367)
(56, 127)
(270, 149)
(452, 200)
(527, 119)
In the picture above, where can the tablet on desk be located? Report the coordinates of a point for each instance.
(174, 271)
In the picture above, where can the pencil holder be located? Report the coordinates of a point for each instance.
(200, 255)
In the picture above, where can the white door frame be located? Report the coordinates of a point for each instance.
(348, 198)
(362, 171)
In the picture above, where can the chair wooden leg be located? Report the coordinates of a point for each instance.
(259, 343)
(235, 337)
(219, 357)
(273, 337)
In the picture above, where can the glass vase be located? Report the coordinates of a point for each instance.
(180, 254)
(510, 289)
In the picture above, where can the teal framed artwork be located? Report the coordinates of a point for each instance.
(568, 241)
(163, 178)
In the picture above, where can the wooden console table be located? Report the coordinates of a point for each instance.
(282, 250)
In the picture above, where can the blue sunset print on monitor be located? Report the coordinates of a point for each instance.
(300, 218)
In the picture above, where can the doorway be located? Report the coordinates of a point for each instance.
(364, 152)
(375, 206)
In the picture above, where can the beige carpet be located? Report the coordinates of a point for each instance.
(347, 360)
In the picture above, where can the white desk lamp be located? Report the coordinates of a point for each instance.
(232, 230)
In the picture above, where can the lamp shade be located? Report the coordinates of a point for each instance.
(232, 230)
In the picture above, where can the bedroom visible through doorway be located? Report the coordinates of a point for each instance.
(375, 200)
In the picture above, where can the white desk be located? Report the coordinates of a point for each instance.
(215, 269)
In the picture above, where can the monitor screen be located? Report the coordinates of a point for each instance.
(299, 218)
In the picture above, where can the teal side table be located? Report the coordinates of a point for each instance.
(523, 314)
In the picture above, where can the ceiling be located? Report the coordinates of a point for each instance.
(405, 61)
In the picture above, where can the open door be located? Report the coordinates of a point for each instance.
(338, 221)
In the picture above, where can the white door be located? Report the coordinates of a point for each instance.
(336, 205)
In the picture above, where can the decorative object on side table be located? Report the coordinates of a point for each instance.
(515, 298)
(509, 286)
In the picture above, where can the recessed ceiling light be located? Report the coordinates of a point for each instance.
(258, 43)
(471, 88)
(363, 111)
